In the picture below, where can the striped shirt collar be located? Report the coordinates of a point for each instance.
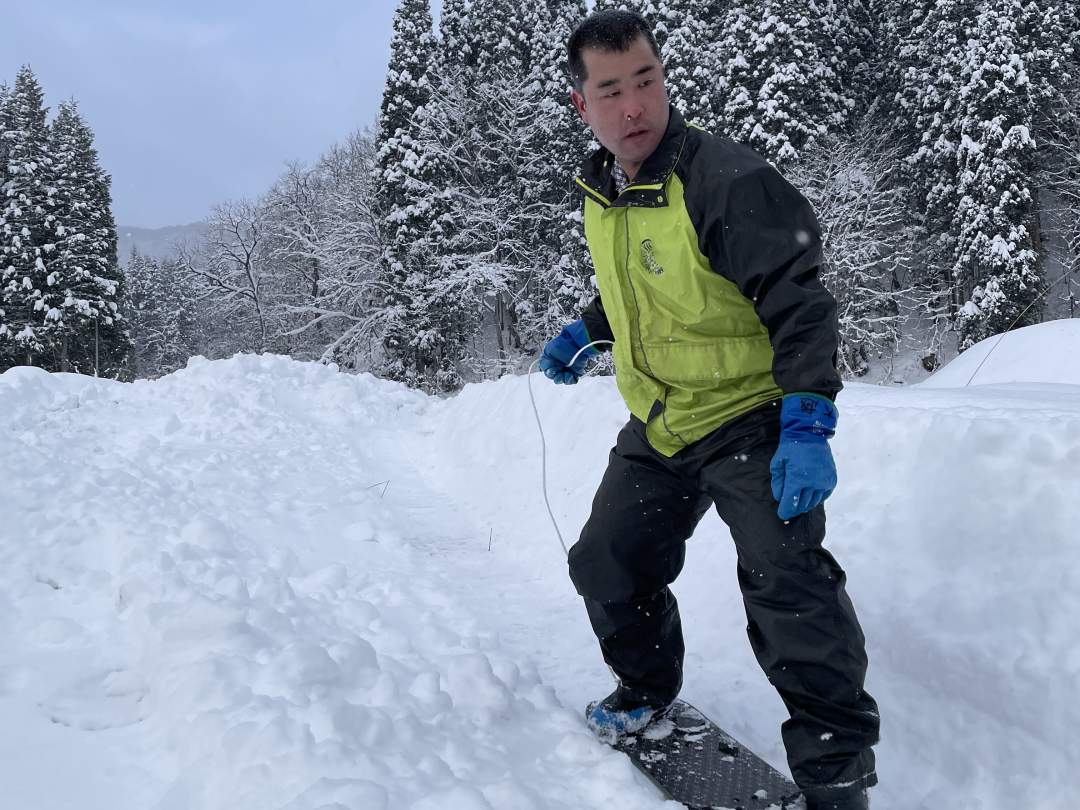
(618, 174)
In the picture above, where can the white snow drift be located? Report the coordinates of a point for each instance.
(259, 583)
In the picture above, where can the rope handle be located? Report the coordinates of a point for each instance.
(543, 440)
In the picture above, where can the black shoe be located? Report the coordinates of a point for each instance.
(856, 800)
(622, 712)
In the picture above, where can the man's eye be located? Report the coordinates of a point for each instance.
(646, 83)
(612, 94)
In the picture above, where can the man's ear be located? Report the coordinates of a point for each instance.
(579, 104)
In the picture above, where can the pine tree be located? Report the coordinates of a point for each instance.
(620, 5)
(903, 66)
(517, 61)
(856, 53)
(1058, 175)
(690, 61)
(454, 50)
(141, 295)
(652, 10)
(423, 321)
(408, 89)
(26, 227)
(466, 173)
(472, 129)
(5, 94)
(180, 316)
(564, 267)
(782, 74)
(974, 79)
(404, 182)
(501, 38)
(6, 344)
(84, 282)
(1003, 86)
(159, 309)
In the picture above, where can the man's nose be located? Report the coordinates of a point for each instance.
(633, 109)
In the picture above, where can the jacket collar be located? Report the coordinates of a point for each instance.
(646, 189)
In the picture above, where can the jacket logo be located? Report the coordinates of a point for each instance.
(649, 259)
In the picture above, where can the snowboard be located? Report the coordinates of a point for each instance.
(694, 761)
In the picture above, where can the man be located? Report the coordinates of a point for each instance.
(725, 347)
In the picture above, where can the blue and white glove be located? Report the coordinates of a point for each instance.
(558, 352)
(803, 471)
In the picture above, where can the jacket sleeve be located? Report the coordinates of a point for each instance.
(760, 233)
(596, 324)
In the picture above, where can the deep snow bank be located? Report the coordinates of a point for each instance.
(210, 596)
(1043, 353)
(956, 518)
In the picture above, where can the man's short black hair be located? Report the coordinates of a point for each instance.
(610, 30)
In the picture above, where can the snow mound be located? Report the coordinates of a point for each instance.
(261, 584)
(225, 589)
(1044, 353)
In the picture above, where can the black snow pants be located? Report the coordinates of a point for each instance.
(801, 623)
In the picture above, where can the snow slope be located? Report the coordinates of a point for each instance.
(210, 596)
(1042, 353)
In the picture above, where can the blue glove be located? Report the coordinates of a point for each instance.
(803, 472)
(555, 361)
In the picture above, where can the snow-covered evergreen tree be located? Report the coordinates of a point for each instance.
(83, 286)
(142, 296)
(454, 51)
(160, 312)
(466, 169)
(6, 344)
(782, 74)
(654, 12)
(995, 163)
(27, 239)
(529, 144)
(691, 60)
(892, 64)
(408, 88)
(180, 316)
(1059, 177)
(404, 177)
(857, 53)
(563, 268)
(501, 38)
(407, 83)
(502, 31)
(5, 93)
(976, 76)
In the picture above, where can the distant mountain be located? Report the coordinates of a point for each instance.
(159, 242)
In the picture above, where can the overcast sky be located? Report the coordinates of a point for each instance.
(195, 102)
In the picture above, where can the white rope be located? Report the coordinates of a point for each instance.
(543, 440)
(1008, 329)
(543, 461)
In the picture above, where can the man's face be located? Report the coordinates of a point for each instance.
(624, 101)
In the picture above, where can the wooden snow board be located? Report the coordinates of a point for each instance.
(695, 762)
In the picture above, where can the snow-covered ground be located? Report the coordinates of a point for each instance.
(259, 584)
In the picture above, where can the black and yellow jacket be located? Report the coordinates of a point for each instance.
(707, 265)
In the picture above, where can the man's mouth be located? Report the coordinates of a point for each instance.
(634, 134)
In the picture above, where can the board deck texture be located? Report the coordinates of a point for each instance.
(695, 762)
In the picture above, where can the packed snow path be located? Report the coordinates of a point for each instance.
(211, 598)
